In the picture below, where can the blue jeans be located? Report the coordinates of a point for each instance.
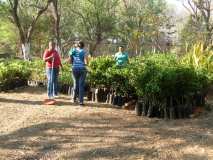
(52, 85)
(79, 76)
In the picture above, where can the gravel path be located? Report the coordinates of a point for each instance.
(32, 131)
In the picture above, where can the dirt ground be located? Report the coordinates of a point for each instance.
(32, 131)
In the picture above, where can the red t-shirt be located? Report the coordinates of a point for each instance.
(56, 61)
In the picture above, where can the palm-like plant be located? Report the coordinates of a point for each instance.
(200, 58)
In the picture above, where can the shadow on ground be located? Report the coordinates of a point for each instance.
(96, 134)
(62, 101)
(92, 133)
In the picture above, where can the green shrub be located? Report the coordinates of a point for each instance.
(118, 79)
(65, 77)
(98, 71)
(200, 58)
(38, 72)
(148, 72)
(154, 75)
(13, 73)
(104, 73)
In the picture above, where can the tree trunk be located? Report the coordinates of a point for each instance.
(171, 108)
(144, 109)
(96, 95)
(150, 110)
(165, 113)
(138, 109)
(25, 47)
(25, 34)
(172, 112)
(111, 98)
(56, 16)
(93, 47)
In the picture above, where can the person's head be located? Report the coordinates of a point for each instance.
(81, 44)
(121, 48)
(51, 45)
(75, 45)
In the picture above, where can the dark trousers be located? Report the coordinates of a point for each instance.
(52, 85)
(79, 76)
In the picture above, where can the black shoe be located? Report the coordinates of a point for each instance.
(74, 101)
(81, 104)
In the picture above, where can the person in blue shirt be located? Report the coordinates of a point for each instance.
(121, 57)
(79, 60)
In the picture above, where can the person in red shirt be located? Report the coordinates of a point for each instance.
(53, 64)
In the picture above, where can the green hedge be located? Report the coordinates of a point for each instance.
(13, 74)
(16, 73)
(165, 85)
(98, 69)
(154, 76)
(158, 75)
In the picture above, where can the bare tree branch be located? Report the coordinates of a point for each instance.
(35, 19)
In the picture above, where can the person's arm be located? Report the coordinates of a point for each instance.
(46, 57)
(70, 59)
(86, 59)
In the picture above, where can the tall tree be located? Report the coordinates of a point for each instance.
(54, 7)
(201, 13)
(25, 15)
(8, 37)
(68, 25)
(96, 20)
(191, 33)
(142, 23)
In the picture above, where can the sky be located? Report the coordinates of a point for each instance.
(179, 12)
(177, 5)
(174, 3)
(177, 9)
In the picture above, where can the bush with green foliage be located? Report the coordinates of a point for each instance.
(104, 73)
(65, 77)
(158, 75)
(98, 71)
(154, 77)
(201, 59)
(13, 74)
(162, 80)
(38, 72)
(118, 78)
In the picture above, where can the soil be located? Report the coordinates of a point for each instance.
(30, 130)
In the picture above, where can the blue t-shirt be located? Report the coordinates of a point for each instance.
(77, 55)
(121, 58)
